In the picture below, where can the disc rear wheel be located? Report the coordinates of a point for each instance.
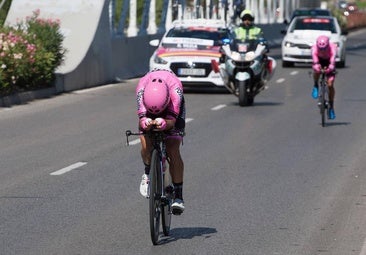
(322, 102)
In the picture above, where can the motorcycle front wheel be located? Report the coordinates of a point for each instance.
(245, 97)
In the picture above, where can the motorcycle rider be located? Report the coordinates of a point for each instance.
(323, 55)
(247, 30)
(160, 104)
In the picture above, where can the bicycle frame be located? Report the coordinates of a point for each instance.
(160, 191)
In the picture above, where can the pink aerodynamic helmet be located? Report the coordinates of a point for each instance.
(322, 42)
(156, 96)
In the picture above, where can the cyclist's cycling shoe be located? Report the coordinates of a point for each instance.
(331, 114)
(178, 206)
(314, 93)
(144, 185)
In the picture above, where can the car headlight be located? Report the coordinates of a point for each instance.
(159, 60)
(289, 44)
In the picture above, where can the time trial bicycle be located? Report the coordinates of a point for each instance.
(160, 188)
(323, 95)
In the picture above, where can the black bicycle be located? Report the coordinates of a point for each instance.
(160, 189)
(323, 96)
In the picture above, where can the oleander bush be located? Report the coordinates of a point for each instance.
(30, 52)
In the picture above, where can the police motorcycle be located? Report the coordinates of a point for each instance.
(245, 68)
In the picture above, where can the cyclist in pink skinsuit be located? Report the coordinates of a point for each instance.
(324, 55)
(160, 103)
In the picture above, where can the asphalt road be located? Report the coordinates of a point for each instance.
(260, 180)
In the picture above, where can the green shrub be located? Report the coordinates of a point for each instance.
(30, 52)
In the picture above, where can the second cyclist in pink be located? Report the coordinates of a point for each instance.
(160, 103)
(324, 57)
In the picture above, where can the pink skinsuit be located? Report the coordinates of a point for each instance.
(325, 58)
(175, 107)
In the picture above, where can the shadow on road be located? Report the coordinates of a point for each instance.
(329, 124)
(187, 233)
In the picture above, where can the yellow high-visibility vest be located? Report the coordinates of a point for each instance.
(248, 33)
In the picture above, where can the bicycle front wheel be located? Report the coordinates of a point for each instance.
(322, 103)
(155, 196)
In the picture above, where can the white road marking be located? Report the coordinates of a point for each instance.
(363, 250)
(134, 142)
(294, 72)
(280, 80)
(69, 168)
(218, 107)
(188, 120)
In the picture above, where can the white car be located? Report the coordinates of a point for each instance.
(301, 35)
(188, 49)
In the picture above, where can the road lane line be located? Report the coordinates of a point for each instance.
(188, 120)
(218, 107)
(69, 168)
(280, 80)
(363, 250)
(294, 72)
(134, 142)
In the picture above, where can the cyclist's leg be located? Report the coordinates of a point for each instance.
(176, 167)
(331, 89)
(331, 94)
(176, 164)
(146, 148)
(146, 159)
(314, 92)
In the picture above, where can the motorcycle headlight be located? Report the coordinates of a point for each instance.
(289, 44)
(160, 60)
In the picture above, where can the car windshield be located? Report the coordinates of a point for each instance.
(314, 24)
(216, 35)
(314, 12)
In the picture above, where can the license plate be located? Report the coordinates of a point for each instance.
(192, 71)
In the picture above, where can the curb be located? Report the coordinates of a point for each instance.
(27, 96)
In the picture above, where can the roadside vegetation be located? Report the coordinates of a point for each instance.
(29, 54)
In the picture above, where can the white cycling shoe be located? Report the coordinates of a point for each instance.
(177, 206)
(144, 186)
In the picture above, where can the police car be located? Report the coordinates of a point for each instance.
(188, 48)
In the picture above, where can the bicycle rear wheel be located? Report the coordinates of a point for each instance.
(166, 214)
(155, 196)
